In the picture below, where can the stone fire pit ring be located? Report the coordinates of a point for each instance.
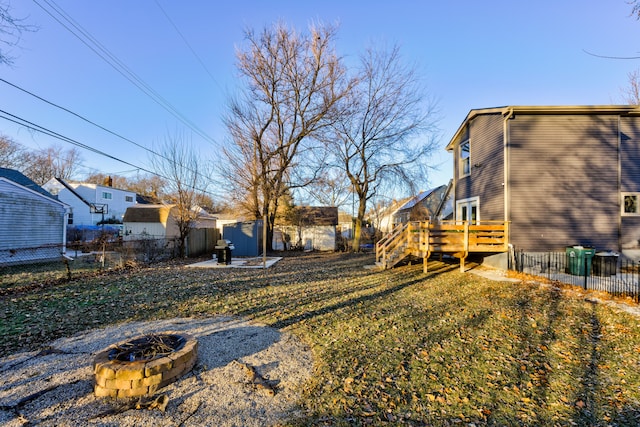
(122, 370)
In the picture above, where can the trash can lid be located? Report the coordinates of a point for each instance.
(608, 253)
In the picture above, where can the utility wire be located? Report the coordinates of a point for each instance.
(91, 122)
(116, 63)
(184, 39)
(81, 117)
(30, 125)
(41, 129)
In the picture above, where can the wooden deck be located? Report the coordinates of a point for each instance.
(458, 238)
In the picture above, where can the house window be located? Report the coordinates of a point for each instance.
(464, 160)
(128, 199)
(70, 219)
(107, 195)
(630, 205)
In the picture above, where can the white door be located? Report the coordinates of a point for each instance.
(468, 210)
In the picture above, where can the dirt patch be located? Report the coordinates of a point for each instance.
(54, 386)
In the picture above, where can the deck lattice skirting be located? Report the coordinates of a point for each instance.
(421, 239)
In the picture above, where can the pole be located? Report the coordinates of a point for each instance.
(264, 241)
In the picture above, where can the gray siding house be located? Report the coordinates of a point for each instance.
(32, 221)
(561, 175)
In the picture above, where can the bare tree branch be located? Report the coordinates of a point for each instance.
(187, 180)
(385, 132)
(54, 162)
(631, 93)
(11, 30)
(291, 87)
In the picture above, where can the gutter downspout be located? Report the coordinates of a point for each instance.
(505, 146)
(620, 201)
(67, 210)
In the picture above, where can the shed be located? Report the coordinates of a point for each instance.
(32, 221)
(150, 221)
(312, 228)
(246, 237)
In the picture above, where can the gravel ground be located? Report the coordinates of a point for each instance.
(54, 387)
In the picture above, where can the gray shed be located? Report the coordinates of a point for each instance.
(32, 221)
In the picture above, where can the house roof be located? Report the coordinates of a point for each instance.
(411, 202)
(147, 213)
(73, 191)
(510, 110)
(19, 178)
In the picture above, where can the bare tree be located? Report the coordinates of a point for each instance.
(631, 93)
(12, 154)
(187, 180)
(635, 10)
(108, 180)
(292, 84)
(11, 30)
(385, 132)
(54, 162)
(330, 188)
(150, 186)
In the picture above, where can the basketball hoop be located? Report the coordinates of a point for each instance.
(99, 208)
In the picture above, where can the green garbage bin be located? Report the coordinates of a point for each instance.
(579, 260)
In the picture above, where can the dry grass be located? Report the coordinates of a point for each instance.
(394, 347)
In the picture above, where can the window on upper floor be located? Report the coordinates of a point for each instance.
(128, 199)
(70, 219)
(464, 160)
(630, 205)
(107, 195)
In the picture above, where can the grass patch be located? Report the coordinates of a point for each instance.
(397, 347)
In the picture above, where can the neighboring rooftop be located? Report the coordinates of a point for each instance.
(19, 178)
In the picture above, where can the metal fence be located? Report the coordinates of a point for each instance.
(606, 273)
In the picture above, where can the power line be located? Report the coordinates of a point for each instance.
(32, 126)
(41, 129)
(91, 122)
(81, 117)
(184, 39)
(99, 49)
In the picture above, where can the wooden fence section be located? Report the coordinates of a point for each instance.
(424, 238)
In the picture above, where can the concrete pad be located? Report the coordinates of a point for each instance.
(493, 274)
(255, 262)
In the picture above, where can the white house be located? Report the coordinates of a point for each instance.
(91, 203)
(32, 221)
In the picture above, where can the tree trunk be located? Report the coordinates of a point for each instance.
(357, 229)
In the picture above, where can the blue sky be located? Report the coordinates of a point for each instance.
(471, 54)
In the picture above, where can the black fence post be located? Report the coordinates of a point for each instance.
(585, 270)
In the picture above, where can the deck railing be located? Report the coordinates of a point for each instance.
(421, 239)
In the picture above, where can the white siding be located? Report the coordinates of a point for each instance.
(92, 193)
(138, 230)
(318, 238)
(29, 220)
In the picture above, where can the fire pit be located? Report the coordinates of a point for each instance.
(140, 366)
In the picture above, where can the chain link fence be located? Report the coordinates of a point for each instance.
(45, 264)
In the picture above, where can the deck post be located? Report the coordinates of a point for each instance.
(466, 246)
(424, 236)
(425, 268)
